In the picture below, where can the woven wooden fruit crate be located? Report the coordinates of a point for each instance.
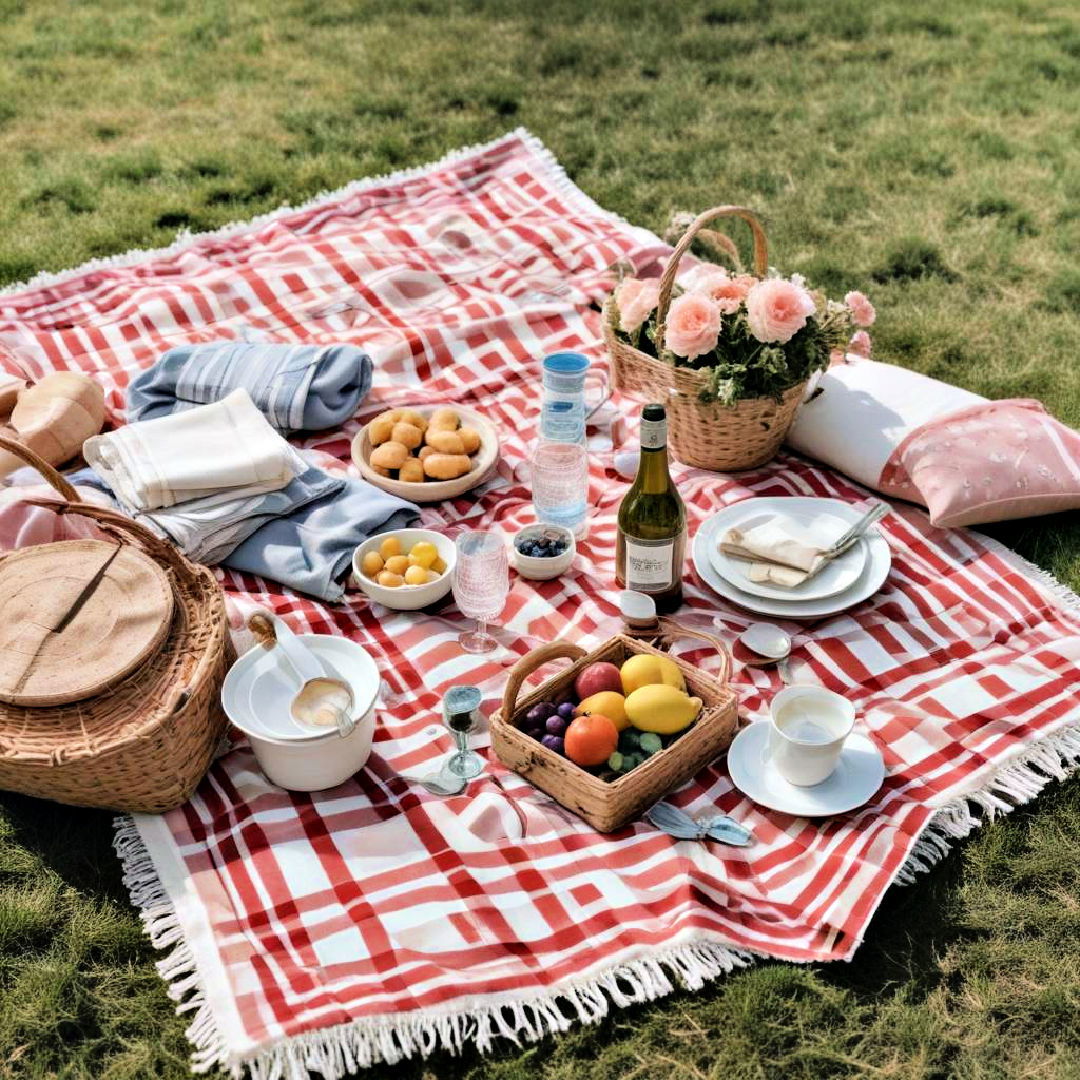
(605, 805)
(707, 435)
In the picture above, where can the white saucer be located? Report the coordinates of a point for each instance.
(820, 526)
(858, 775)
(878, 560)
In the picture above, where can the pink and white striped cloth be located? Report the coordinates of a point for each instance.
(321, 933)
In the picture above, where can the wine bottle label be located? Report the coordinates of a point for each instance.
(653, 434)
(649, 564)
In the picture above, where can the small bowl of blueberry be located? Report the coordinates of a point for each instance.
(542, 552)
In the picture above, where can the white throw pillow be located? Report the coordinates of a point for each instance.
(865, 411)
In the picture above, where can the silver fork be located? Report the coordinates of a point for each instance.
(859, 529)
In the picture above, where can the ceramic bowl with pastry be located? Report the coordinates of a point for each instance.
(405, 569)
(427, 454)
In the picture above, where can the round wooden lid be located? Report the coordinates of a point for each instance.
(76, 617)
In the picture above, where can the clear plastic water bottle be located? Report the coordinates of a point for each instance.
(564, 412)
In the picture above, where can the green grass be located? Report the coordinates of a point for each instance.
(926, 152)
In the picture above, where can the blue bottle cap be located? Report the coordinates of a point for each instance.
(566, 363)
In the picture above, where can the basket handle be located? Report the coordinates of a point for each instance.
(667, 279)
(54, 479)
(123, 528)
(669, 628)
(537, 658)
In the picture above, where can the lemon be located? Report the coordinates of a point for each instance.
(606, 703)
(644, 669)
(661, 708)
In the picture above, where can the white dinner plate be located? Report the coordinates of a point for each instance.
(858, 774)
(878, 561)
(822, 527)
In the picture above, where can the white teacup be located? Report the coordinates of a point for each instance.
(807, 731)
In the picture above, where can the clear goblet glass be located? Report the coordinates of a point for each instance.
(481, 585)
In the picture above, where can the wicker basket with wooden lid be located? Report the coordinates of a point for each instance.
(145, 740)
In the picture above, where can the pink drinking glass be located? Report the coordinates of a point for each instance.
(481, 585)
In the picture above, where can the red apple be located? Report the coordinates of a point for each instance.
(596, 678)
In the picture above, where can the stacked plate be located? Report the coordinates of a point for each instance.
(853, 577)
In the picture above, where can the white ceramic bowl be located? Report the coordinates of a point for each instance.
(407, 597)
(536, 569)
(484, 460)
(256, 694)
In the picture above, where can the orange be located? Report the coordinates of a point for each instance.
(590, 740)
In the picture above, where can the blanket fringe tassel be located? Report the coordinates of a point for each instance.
(336, 1052)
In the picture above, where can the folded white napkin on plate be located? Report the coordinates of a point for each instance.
(221, 451)
(778, 552)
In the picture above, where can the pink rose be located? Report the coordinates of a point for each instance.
(862, 311)
(726, 292)
(777, 310)
(635, 301)
(693, 325)
(860, 344)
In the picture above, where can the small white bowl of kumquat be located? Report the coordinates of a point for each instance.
(405, 569)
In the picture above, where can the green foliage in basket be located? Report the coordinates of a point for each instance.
(754, 337)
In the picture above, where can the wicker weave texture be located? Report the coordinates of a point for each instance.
(608, 806)
(708, 436)
(146, 743)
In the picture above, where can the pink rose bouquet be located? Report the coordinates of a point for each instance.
(756, 337)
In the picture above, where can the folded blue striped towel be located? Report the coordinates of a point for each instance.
(296, 387)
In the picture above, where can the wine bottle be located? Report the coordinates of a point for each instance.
(651, 541)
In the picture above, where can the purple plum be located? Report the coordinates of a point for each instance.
(566, 710)
(537, 714)
(555, 725)
(553, 742)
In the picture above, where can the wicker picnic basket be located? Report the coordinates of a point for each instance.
(706, 435)
(605, 805)
(145, 742)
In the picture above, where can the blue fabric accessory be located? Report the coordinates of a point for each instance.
(311, 550)
(675, 822)
(207, 533)
(296, 387)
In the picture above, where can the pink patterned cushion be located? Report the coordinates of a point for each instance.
(993, 462)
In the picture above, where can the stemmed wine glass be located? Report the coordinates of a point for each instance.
(481, 585)
(461, 714)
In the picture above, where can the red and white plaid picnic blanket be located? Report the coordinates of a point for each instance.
(374, 921)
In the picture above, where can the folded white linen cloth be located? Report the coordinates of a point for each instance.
(778, 552)
(221, 452)
(207, 530)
